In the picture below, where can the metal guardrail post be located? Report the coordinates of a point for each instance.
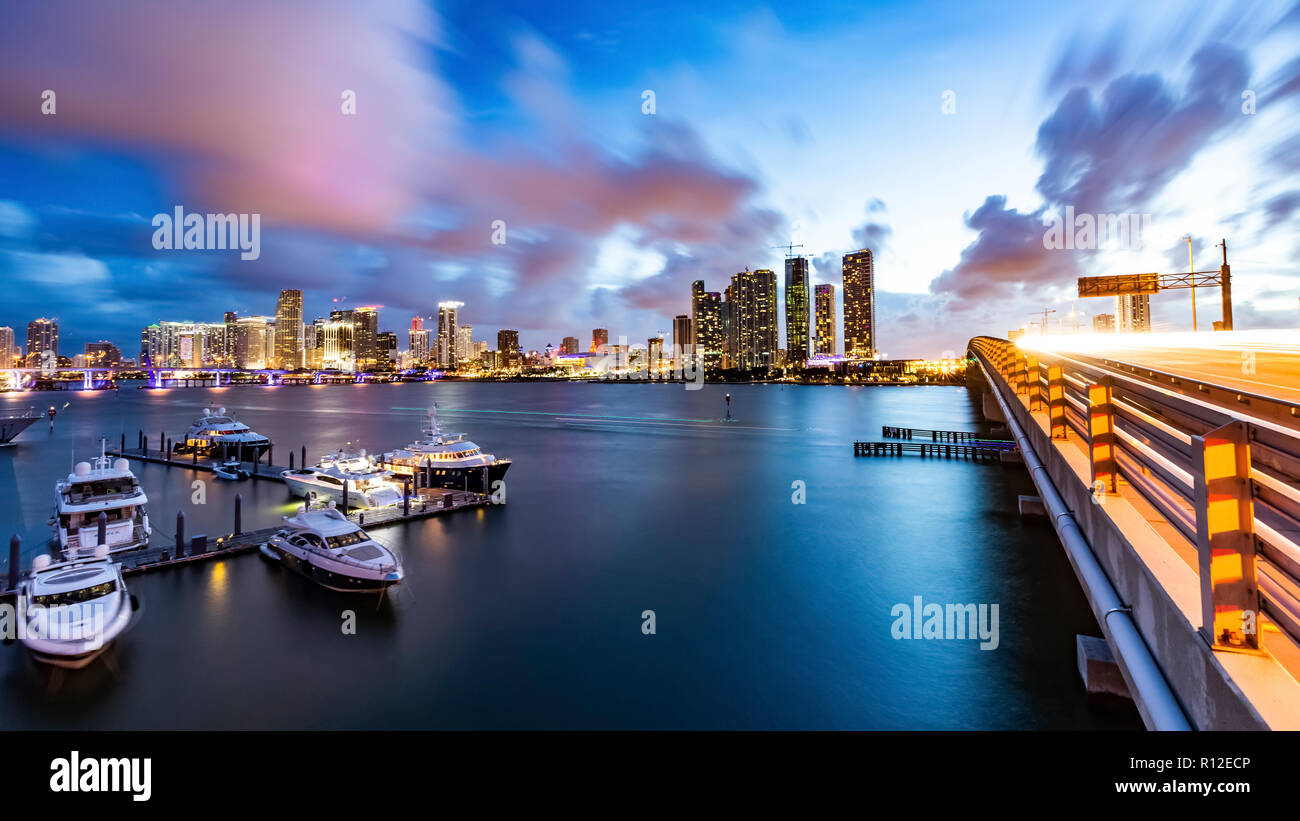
(1056, 401)
(1225, 538)
(1034, 378)
(1101, 437)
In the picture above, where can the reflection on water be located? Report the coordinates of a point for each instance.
(622, 498)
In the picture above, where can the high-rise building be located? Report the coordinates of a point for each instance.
(860, 338)
(599, 339)
(683, 333)
(508, 347)
(824, 298)
(465, 342)
(339, 348)
(754, 319)
(728, 331)
(1104, 323)
(6, 347)
(655, 350)
(796, 310)
(706, 323)
(365, 336)
(103, 354)
(254, 342)
(229, 334)
(1133, 313)
(288, 330)
(570, 344)
(447, 316)
(42, 336)
(419, 341)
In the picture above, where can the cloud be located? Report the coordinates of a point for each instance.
(874, 233)
(1007, 259)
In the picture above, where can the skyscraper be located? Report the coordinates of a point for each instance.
(228, 336)
(1133, 313)
(447, 316)
(508, 347)
(365, 335)
(860, 340)
(465, 342)
(42, 336)
(824, 297)
(796, 309)
(6, 347)
(288, 330)
(706, 323)
(103, 354)
(419, 341)
(339, 345)
(254, 343)
(570, 344)
(1104, 323)
(599, 339)
(754, 319)
(683, 333)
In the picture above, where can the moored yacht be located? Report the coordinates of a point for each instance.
(325, 547)
(12, 424)
(367, 484)
(71, 611)
(446, 460)
(219, 432)
(104, 486)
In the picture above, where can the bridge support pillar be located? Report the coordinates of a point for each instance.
(1056, 401)
(1101, 438)
(1225, 538)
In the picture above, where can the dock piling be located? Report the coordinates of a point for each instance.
(180, 533)
(304, 457)
(290, 460)
(15, 545)
(239, 514)
(199, 545)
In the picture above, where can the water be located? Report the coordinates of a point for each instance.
(768, 614)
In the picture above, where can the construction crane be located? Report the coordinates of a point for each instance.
(1043, 327)
(789, 248)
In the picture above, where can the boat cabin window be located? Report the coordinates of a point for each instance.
(329, 480)
(347, 539)
(105, 487)
(76, 596)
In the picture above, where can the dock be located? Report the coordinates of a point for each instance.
(948, 450)
(894, 432)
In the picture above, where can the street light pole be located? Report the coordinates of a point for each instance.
(1191, 277)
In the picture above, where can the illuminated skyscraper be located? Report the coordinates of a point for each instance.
(6, 347)
(796, 309)
(824, 297)
(419, 341)
(599, 339)
(508, 347)
(706, 323)
(570, 344)
(42, 336)
(288, 330)
(339, 348)
(103, 354)
(754, 319)
(683, 333)
(860, 339)
(365, 334)
(447, 316)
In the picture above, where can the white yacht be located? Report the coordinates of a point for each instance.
(12, 424)
(71, 611)
(103, 486)
(446, 460)
(217, 431)
(368, 485)
(330, 550)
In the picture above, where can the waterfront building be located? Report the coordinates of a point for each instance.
(42, 336)
(254, 343)
(683, 335)
(102, 354)
(796, 310)
(508, 348)
(599, 339)
(288, 330)
(6, 346)
(447, 339)
(465, 342)
(706, 323)
(570, 344)
(365, 338)
(860, 337)
(339, 349)
(754, 318)
(824, 299)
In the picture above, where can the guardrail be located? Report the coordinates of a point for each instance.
(1219, 465)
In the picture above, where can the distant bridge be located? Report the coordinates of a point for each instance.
(1170, 470)
(220, 377)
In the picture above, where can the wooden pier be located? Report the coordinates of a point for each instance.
(946, 450)
(892, 432)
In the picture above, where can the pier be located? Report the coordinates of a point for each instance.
(948, 450)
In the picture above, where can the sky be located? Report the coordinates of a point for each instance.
(944, 136)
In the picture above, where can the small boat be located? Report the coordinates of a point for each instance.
(72, 611)
(325, 547)
(232, 469)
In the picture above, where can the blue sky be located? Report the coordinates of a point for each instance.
(817, 121)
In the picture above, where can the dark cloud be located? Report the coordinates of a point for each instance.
(874, 233)
(1007, 259)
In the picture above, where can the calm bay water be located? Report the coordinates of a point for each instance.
(769, 614)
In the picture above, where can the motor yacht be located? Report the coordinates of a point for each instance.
(71, 611)
(103, 486)
(446, 460)
(325, 547)
(368, 485)
(219, 432)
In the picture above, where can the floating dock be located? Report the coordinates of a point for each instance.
(947, 450)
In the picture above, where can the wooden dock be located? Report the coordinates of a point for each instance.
(946, 450)
(893, 432)
(163, 550)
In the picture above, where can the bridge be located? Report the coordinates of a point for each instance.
(1169, 466)
(209, 376)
